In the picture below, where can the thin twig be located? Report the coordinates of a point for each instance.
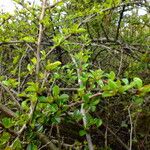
(83, 112)
(45, 140)
(118, 139)
(12, 96)
(120, 66)
(12, 132)
(7, 111)
(119, 22)
(58, 135)
(106, 135)
(131, 127)
(33, 104)
(40, 39)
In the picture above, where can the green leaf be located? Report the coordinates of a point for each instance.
(10, 82)
(86, 98)
(6, 82)
(16, 59)
(4, 138)
(30, 68)
(82, 132)
(138, 100)
(81, 91)
(34, 61)
(53, 108)
(42, 99)
(125, 81)
(56, 120)
(28, 39)
(95, 102)
(112, 85)
(8, 148)
(64, 97)
(24, 105)
(32, 147)
(108, 93)
(77, 115)
(49, 99)
(111, 75)
(33, 87)
(52, 66)
(17, 145)
(7, 122)
(100, 83)
(55, 91)
(93, 108)
(98, 122)
(145, 89)
(138, 82)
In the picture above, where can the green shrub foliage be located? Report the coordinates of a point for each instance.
(74, 75)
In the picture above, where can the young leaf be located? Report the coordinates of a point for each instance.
(111, 75)
(64, 97)
(82, 132)
(138, 82)
(52, 66)
(125, 81)
(5, 136)
(56, 90)
(17, 145)
(98, 122)
(24, 105)
(7, 122)
(34, 61)
(108, 93)
(112, 84)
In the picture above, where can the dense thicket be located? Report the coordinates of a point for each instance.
(75, 75)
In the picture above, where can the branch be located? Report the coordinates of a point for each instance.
(83, 111)
(40, 39)
(118, 139)
(25, 42)
(80, 102)
(7, 111)
(12, 132)
(119, 22)
(53, 5)
(131, 127)
(12, 96)
(33, 104)
(44, 139)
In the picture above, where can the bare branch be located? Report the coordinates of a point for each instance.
(131, 127)
(44, 139)
(7, 111)
(12, 96)
(40, 39)
(119, 22)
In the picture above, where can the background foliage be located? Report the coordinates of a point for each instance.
(75, 75)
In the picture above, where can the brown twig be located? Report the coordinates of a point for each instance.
(48, 143)
(131, 127)
(119, 22)
(118, 139)
(7, 111)
(40, 39)
(12, 96)
(12, 132)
